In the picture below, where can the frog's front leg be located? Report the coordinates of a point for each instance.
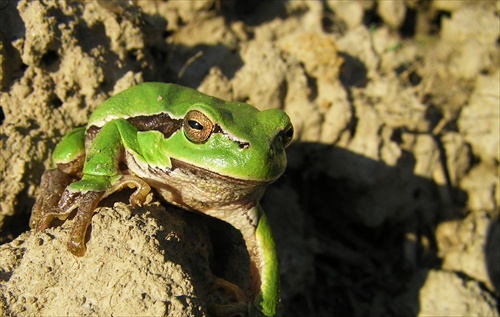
(101, 177)
(264, 274)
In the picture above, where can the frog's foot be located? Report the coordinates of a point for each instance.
(70, 200)
(87, 202)
(237, 301)
(52, 186)
(139, 196)
(67, 203)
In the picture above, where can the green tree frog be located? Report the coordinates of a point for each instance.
(198, 152)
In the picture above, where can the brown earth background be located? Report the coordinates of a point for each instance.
(390, 203)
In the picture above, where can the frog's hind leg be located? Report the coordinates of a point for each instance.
(68, 157)
(237, 307)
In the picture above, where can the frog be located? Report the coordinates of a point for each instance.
(197, 152)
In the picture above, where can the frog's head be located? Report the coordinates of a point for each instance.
(235, 139)
(232, 139)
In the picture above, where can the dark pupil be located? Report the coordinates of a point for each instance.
(195, 125)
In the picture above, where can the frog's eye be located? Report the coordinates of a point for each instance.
(287, 135)
(197, 126)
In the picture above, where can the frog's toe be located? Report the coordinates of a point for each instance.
(76, 247)
(45, 210)
(38, 215)
(42, 220)
(139, 196)
(42, 223)
(234, 301)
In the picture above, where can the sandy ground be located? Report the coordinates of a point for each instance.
(390, 204)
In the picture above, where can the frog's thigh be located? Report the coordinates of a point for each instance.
(68, 156)
(70, 152)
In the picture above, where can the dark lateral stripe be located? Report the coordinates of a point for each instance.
(242, 145)
(159, 122)
(91, 132)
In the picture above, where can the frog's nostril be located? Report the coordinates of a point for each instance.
(286, 135)
(244, 145)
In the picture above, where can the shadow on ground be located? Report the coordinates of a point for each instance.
(374, 226)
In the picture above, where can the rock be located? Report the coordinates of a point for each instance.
(136, 264)
(318, 54)
(446, 294)
(351, 12)
(482, 187)
(262, 62)
(462, 246)
(483, 107)
(392, 12)
(474, 22)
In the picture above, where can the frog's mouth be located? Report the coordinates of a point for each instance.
(206, 174)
